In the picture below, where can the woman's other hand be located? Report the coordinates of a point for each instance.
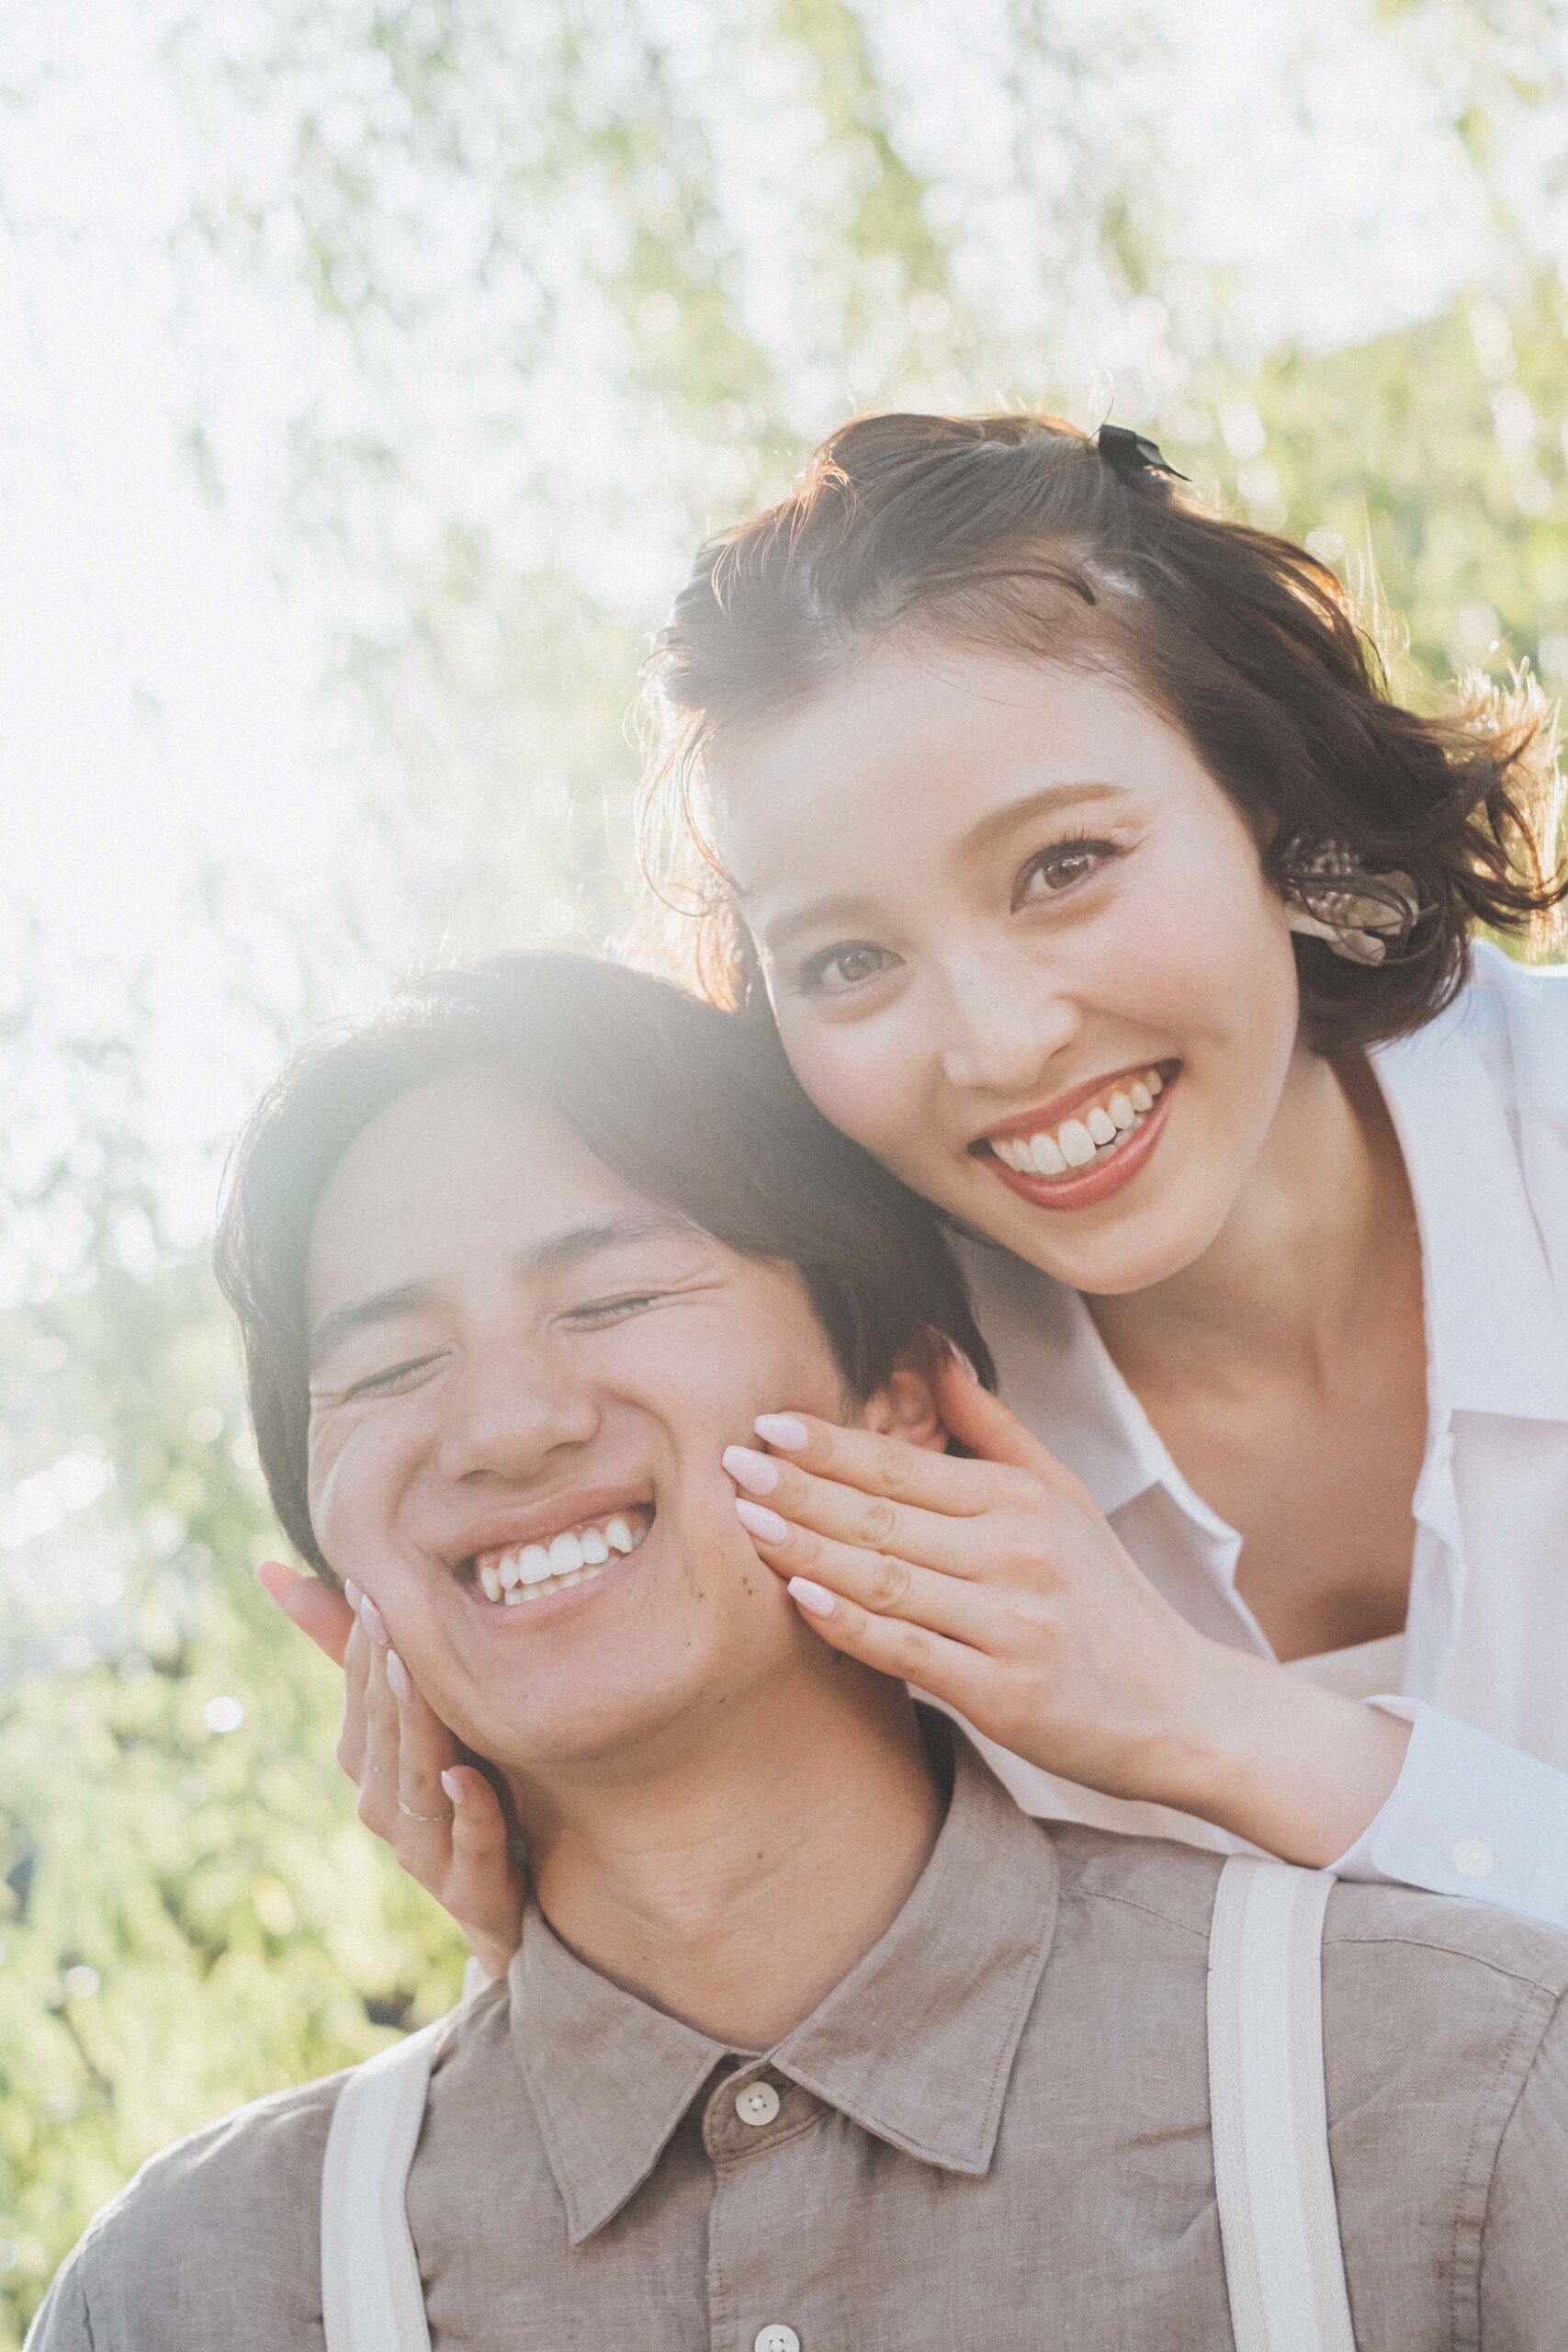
(438, 1813)
(997, 1585)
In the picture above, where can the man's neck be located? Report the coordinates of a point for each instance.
(735, 1885)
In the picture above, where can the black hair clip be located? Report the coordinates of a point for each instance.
(1130, 454)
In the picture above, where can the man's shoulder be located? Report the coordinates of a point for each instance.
(252, 2168)
(221, 2221)
(1443, 1929)
(1169, 1885)
(271, 2147)
(1443, 2043)
(1403, 1931)
(1434, 1991)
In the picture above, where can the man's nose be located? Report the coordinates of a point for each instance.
(508, 1410)
(1003, 1020)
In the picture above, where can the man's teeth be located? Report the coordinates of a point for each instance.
(1093, 1135)
(535, 1569)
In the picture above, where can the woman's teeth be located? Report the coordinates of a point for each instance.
(535, 1569)
(1094, 1133)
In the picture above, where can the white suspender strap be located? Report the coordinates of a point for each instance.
(1284, 2269)
(372, 2300)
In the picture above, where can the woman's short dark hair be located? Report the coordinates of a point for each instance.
(1020, 533)
(696, 1110)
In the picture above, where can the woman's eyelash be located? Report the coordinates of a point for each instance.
(1080, 849)
(814, 977)
(813, 974)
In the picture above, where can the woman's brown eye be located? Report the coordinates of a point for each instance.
(839, 969)
(856, 966)
(1057, 870)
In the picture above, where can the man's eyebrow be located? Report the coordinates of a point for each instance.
(1043, 803)
(340, 1323)
(568, 1248)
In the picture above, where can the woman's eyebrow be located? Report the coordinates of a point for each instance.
(567, 1247)
(842, 907)
(1047, 802)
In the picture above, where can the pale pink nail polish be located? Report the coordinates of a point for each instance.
(398, 1676)
(454, 1786)
(374, 1623)
(352, 1594)
(764, 1524)
(814, 1597)
(753, 1471)
(787, 1430)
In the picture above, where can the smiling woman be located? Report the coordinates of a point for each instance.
(1069, 839)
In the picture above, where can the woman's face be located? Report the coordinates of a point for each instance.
(1020, 946)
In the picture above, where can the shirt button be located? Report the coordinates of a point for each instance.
(777, 2338)
(757, 2104)
(1473, 1857)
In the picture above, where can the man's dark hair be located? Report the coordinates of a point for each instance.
(698, 1110)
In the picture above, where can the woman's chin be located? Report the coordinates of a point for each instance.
(1133, 1243)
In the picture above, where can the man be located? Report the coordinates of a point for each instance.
(814, 2040)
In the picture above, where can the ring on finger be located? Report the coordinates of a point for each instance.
(422, 1816)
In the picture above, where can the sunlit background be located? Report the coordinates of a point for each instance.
(370, 373)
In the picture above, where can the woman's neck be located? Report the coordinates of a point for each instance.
(737, 1883)
(1324, 1226)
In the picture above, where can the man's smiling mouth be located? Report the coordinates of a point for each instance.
(515, 1575)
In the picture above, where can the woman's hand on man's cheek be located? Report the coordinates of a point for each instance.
(417, 1791)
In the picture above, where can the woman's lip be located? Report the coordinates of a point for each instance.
(1089, 1186)
(1047, 1120)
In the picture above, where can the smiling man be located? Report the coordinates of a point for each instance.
(814, 2042)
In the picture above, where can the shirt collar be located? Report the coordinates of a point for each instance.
(1496, 1333)
(610, 2076)
(916, 2044)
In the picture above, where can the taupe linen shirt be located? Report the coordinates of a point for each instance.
(994, 2135)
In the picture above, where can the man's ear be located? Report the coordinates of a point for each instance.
(906, 1407)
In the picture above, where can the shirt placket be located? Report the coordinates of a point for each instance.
(756, 2295)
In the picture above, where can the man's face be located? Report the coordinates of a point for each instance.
(514, 1350)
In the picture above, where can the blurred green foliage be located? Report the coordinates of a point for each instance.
(591, 275)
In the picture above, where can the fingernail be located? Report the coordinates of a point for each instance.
(398, 1676)
(352, 1594)
(765, 1525)
(372, 1622)
(962, 1361)
(784, 1430)
(813, 1597)
(454, 1786)
(753, 1471)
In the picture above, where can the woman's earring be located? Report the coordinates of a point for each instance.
(1359, 915)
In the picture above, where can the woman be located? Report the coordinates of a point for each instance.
(1096, 887)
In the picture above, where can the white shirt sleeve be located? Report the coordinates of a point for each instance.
(1469, 1815)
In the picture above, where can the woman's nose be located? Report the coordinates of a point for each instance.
(509, 1412)
(1002, 1022)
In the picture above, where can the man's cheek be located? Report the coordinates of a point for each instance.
(346, 1499)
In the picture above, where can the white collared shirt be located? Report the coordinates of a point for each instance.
(1480, 1101)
